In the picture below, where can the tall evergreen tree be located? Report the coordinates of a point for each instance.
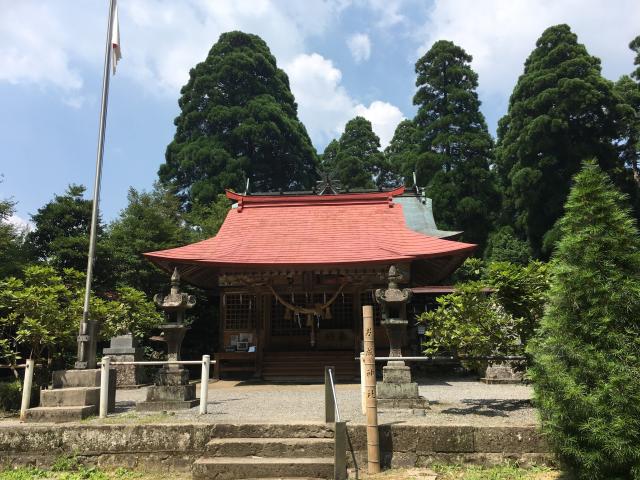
(11, 242)
(151, 221)
(629, 92)
(355, 159)
(61, 236)
(561, 112)
(402, 151)
(238, 119)
(455, 145)
(635, 46)
(586, 355)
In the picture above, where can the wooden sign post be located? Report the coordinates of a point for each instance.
(373, 440)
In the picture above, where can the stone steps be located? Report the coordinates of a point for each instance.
(75, 396)
(60, 414)
(252, 451)
(231, 468)
(70, 397)
(270, 447)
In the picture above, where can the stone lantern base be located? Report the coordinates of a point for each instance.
(172, 390)
(397, 391)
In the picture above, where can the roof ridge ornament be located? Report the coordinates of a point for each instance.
(327, 184)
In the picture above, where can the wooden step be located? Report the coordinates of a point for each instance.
(230, 468)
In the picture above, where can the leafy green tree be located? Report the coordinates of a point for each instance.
(328, 157)
(206, 220)
(562, 111)
(504, 246)
(151, 221)
(11, 242)
(355, 159)
(128, 311)
(238, 120)
(61, 235)
(455, 148)
(629, 91)
(40, 313)
(402, 151)
(635, 46)
(586, 371)
(494, 313)
(470, 322)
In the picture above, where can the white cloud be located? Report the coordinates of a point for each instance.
(33, 47)
(500, 35)
(325, 106)
(360, 46)
(162, 40)
(384, 118)
(20, 223)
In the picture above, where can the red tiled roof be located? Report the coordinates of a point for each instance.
(308, 230)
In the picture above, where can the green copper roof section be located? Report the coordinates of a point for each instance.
(418, 213)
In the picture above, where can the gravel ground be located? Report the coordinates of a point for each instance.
(453, 402)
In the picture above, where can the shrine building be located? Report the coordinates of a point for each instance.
(293, 270)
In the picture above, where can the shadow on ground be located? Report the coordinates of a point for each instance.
(489, 407)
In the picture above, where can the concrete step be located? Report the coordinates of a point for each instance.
(77, 378)
(271, 430)
(70, 397)
(270, 447)
(60, 414)
(230, 468)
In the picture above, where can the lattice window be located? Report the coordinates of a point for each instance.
(239, 311)
(293, 325)
(367, 298)
(341, 312)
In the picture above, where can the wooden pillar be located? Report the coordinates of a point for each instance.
(373, 440)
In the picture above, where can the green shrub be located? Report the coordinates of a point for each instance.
(10, 395)
(586, 368)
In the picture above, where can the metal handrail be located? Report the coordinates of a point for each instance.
(450, 358)
(165, 362)
(332, 414)
(335, 399)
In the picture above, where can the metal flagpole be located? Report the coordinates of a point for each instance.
(88, 328)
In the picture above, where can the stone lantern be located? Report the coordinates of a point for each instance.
(172, 389)
(396, 389)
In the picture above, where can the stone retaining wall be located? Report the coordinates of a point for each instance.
(169, 447)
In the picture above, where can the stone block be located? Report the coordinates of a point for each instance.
(401, 374)
(128, 375)
(165, 405)
(70, 397)
(76, 378)
(171, 393)
(60, 414)
(172, 376)
(453, 439)
(397, 390)
(509, 439)
(123, 341)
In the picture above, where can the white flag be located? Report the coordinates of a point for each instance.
(115, 40)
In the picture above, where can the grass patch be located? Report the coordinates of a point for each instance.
(459, 472)
(80, 472)
(501, 472)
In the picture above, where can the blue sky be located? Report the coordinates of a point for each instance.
(343, 58)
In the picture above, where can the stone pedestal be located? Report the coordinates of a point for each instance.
(75, 395)
(503, 373)
(397, 391)
(172, 390)
(124, 348)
